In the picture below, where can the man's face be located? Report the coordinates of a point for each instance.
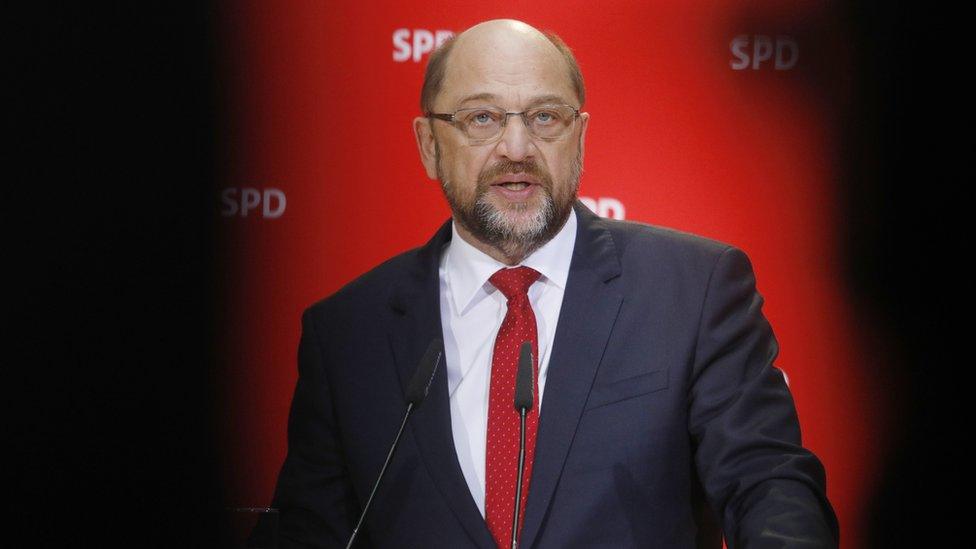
(515, 193)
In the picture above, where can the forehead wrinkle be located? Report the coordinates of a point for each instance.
(543, 99)
(509, 65)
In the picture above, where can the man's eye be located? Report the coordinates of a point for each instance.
(545, 117)
(481, 118)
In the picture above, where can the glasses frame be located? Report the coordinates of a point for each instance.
(453, 120)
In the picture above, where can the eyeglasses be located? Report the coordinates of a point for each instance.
(484, 125)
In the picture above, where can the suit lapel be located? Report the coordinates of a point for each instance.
(587, 316)
(417, 320)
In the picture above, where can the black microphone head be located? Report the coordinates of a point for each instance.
(524, 377)
(424, 376)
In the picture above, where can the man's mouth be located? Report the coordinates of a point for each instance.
(515, 181)
(516, 187)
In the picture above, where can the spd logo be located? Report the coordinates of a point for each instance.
(605, 207)
(268, 203)
(414, 44)
(751, 52)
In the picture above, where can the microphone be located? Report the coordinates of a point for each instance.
(523, 403)
(416, 393)
(523, 378)
(424, 376)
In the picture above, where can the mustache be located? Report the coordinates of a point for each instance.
(502, 167)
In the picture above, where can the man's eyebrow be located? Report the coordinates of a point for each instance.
(548, 99)
(478, 97)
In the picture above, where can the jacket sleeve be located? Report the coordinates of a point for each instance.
(314, 495)
(768, 490)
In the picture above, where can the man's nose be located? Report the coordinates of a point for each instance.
(516, 142)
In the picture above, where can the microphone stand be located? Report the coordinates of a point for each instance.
(521, 473)
(416, 393)
(523, 403)
(389, 457)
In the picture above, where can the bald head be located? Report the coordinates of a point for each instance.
(511, 191)
(500, 49)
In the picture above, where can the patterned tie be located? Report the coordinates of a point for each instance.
(503, 420)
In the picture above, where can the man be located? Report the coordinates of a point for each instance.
(658, 420)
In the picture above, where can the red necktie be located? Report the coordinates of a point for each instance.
(503, 420)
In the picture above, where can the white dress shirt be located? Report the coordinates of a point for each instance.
(472, 311)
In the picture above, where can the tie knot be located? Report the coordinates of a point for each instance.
(514, 282)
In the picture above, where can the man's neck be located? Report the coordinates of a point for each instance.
(508, 257)
(507, 253)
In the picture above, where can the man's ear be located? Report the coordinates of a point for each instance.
(584, 122)
(424, 133)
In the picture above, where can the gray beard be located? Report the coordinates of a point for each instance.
(490, 225)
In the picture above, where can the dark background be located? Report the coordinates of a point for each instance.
(110, 216)
(905, 153)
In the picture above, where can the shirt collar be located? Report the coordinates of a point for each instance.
(469, 268)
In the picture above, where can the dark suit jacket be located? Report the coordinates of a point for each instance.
(664, 419)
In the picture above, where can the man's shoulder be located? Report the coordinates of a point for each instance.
(640, 242)
(372, 289)
(656, 260)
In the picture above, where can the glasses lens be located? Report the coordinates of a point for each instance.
(486, 123)
(481, 124)
(550, 122)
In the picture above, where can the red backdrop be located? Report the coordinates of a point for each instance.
(717, 119)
